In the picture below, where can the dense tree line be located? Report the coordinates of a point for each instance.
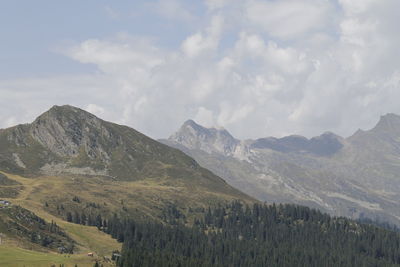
(239, 235)
(383, 224)
(261, 235)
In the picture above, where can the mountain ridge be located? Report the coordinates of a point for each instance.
(353, 176)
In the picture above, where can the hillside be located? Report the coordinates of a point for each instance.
(67, 141)
(69, 162)
(355, 177)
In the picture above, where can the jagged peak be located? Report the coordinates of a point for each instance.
(192, 124)
(65, 129)
(390, 116)
(66, 109)
(389, 121)
(193, 135)
(387, 124)
(65, 112)
(199, 129)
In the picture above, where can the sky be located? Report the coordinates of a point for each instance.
(255, 67)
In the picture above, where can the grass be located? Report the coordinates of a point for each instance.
(11, 256)
(88, 238)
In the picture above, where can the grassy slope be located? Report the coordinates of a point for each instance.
(145, 198)
(88, 239)
(12, 256)
(143, 176)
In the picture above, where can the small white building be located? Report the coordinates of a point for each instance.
(4, 202)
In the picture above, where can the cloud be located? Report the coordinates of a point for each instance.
(205, 41)
(288, 19)
(352, 7)
(22, 100)
(124, 50)
(205, 117)
(172, 10)
(257, 68)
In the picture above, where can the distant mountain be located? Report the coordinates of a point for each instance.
(323, 145)
(355, 177)
(194, 136)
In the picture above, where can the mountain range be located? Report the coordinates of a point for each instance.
(71, 182)
(357, 177)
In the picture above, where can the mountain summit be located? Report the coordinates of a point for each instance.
(66, 130)
(389, 123)
(211, 140)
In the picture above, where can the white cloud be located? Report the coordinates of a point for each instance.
(256, 67)
(229, 114)
(352, 7)
(205, 117)
(173, 10)
(289, 19)
(205, 41)
(122, 51)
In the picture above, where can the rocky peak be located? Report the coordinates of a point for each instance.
(62, 114)
(388, 123)
(383, 139)
(195, 136)
(64, 130)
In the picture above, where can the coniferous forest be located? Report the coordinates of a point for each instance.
(260, 235)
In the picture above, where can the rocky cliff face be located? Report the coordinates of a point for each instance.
(354, 177)
(65, 130)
